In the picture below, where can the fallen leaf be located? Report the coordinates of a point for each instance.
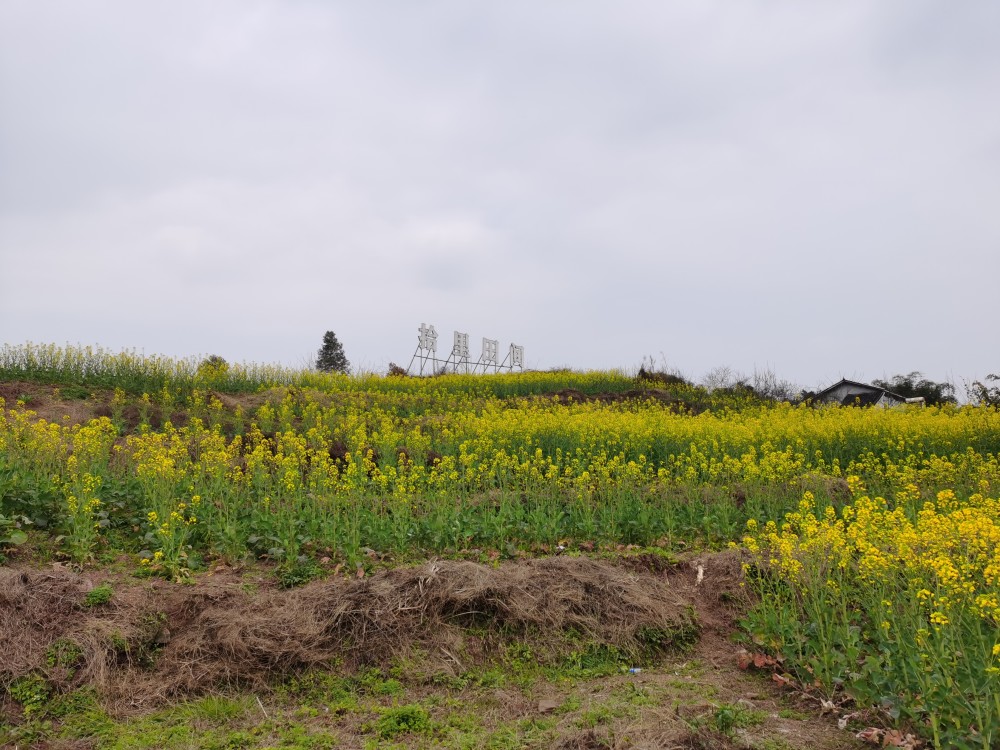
(763, 660)
(871, 735)
(744, 659)
(895, 738)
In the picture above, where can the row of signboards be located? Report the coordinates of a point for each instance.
(460, 359)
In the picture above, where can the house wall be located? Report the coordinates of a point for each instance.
(844, 390)
(848, 390)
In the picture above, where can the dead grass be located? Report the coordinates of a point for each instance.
(156, 645)
(157, 641)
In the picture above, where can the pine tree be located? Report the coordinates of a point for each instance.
(331, 356)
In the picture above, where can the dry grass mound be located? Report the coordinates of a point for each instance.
(155, 640)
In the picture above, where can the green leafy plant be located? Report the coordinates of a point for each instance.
(373, 682)
(73, 393)
(64, 655)
(31, 691)
(402, 719)
(300, 572)
(98, 595)
(10, 532)
(731, 716)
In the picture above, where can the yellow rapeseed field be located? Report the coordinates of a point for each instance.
(874, 533)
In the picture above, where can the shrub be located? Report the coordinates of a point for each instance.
(402, 719)
(395, 371)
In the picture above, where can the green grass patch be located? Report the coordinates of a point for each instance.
(402, 720)
(98, 595)
(731, 716)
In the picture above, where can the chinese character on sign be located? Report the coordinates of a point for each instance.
(490, 347)
(516, 356)
(428, 338)
(461, 347)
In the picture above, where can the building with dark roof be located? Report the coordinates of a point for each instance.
(851, 393)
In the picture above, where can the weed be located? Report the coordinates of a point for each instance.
(73, 393)
(635, 695)
(118, 643)
(80, 715)
(299, 572)
(572, 703)
(402, 719)
(653, 641)
(63, 655)
(87, 725)
(98, 595)
(373, 682)
(730, 716)
(775, 743)
(491, 678)
(218, 709)
(10, 533)
(316, 687)
(602, 713)
(594, 660)
(31, 691)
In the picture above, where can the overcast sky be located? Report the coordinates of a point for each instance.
(812, 188)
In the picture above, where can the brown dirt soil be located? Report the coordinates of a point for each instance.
(49, 404)
(155, 642)
(44, 401)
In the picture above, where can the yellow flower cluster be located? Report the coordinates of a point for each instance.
(369, 443)
(949, 554)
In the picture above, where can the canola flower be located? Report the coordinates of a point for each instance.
(171, 533)
(876, 591)
(877, 527)
(403, 449)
